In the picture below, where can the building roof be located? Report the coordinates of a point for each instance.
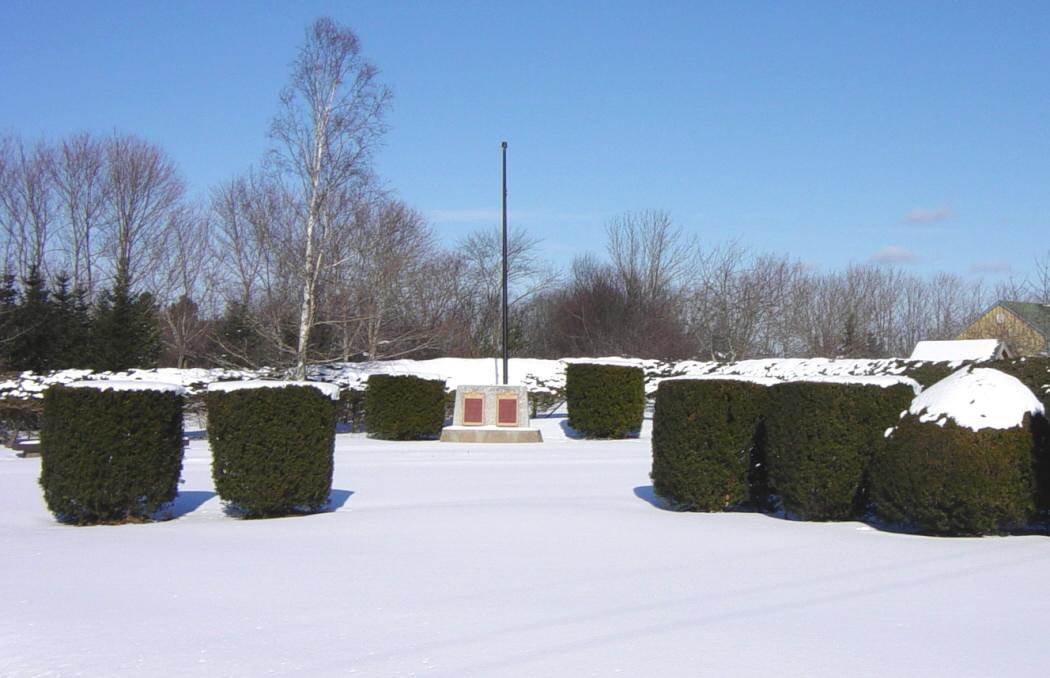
(1036, 315)
(959, 349)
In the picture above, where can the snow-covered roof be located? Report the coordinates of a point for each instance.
(959, 349)
(121, 385)
(329, 390)
(977, 398)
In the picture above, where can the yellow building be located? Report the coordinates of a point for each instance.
(1023, 326)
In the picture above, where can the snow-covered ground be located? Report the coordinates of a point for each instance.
(550, 559)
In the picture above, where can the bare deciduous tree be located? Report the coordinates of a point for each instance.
(331, 119)
(144, 190)
(78, 168)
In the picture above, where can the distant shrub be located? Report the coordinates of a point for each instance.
(109, 456)
(952, 480)
(403, 407)
(272, 448)
(351, 409)
(820, 438)
(605, 401)
(19, 415)
(704, 442)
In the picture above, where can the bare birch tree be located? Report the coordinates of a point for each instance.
(330, 121)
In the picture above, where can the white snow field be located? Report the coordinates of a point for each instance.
(545, 559)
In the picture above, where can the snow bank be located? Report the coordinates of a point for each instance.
(795, 369)
(29, 385)
(329, 390)
(958, 350)
(118, 385)
(882, 381)
(761, 381)
(977, 398)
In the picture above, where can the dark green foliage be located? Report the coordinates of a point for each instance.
(109, 456)
(953, 480)
(704, 435)
(235, 340)
(1033, 372)
(124, 333)
(31, 342)
(70, 325)
(820, 440)
(272, 449)
(402, 407)
(605, 401)
(927, 373)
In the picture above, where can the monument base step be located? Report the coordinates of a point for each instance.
(478, 434)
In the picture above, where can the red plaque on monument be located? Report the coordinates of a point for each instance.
(508, 411)
(474, 410)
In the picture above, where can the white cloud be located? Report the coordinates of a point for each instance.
(994, 267)
(925, 215)
(894, 254)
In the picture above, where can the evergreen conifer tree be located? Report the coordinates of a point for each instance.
(124, 331)
(71, 325)
(31, 345)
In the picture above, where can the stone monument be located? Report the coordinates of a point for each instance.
(491, 414)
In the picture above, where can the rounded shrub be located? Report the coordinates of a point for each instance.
(404, 407)
(605, 401)
(272, 448)
(704, 442)
(110, 456)
(820, 438)
(961, 460)
(949, 479)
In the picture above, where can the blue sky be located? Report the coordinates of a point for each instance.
(837, 132)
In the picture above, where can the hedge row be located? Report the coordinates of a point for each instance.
(820, 441)
(403, 407)
(272, 449)
(706, 442)
(828, 454)
(605, 401)
(948, 479)
(111, 456)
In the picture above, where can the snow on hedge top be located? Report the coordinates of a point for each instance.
(761, 381)
(959, 349)
(976, 399)
(121, 385)
(880, 380)
(329, 390)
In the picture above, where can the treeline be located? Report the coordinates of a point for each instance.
(108, 263)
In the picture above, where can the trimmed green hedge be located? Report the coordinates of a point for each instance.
(272, 448)
(820, 440)
(403, 407)
(1034, 372)
(605, 401)
(928, 372)
(953, 480)
(110, 456)
(705, 443)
